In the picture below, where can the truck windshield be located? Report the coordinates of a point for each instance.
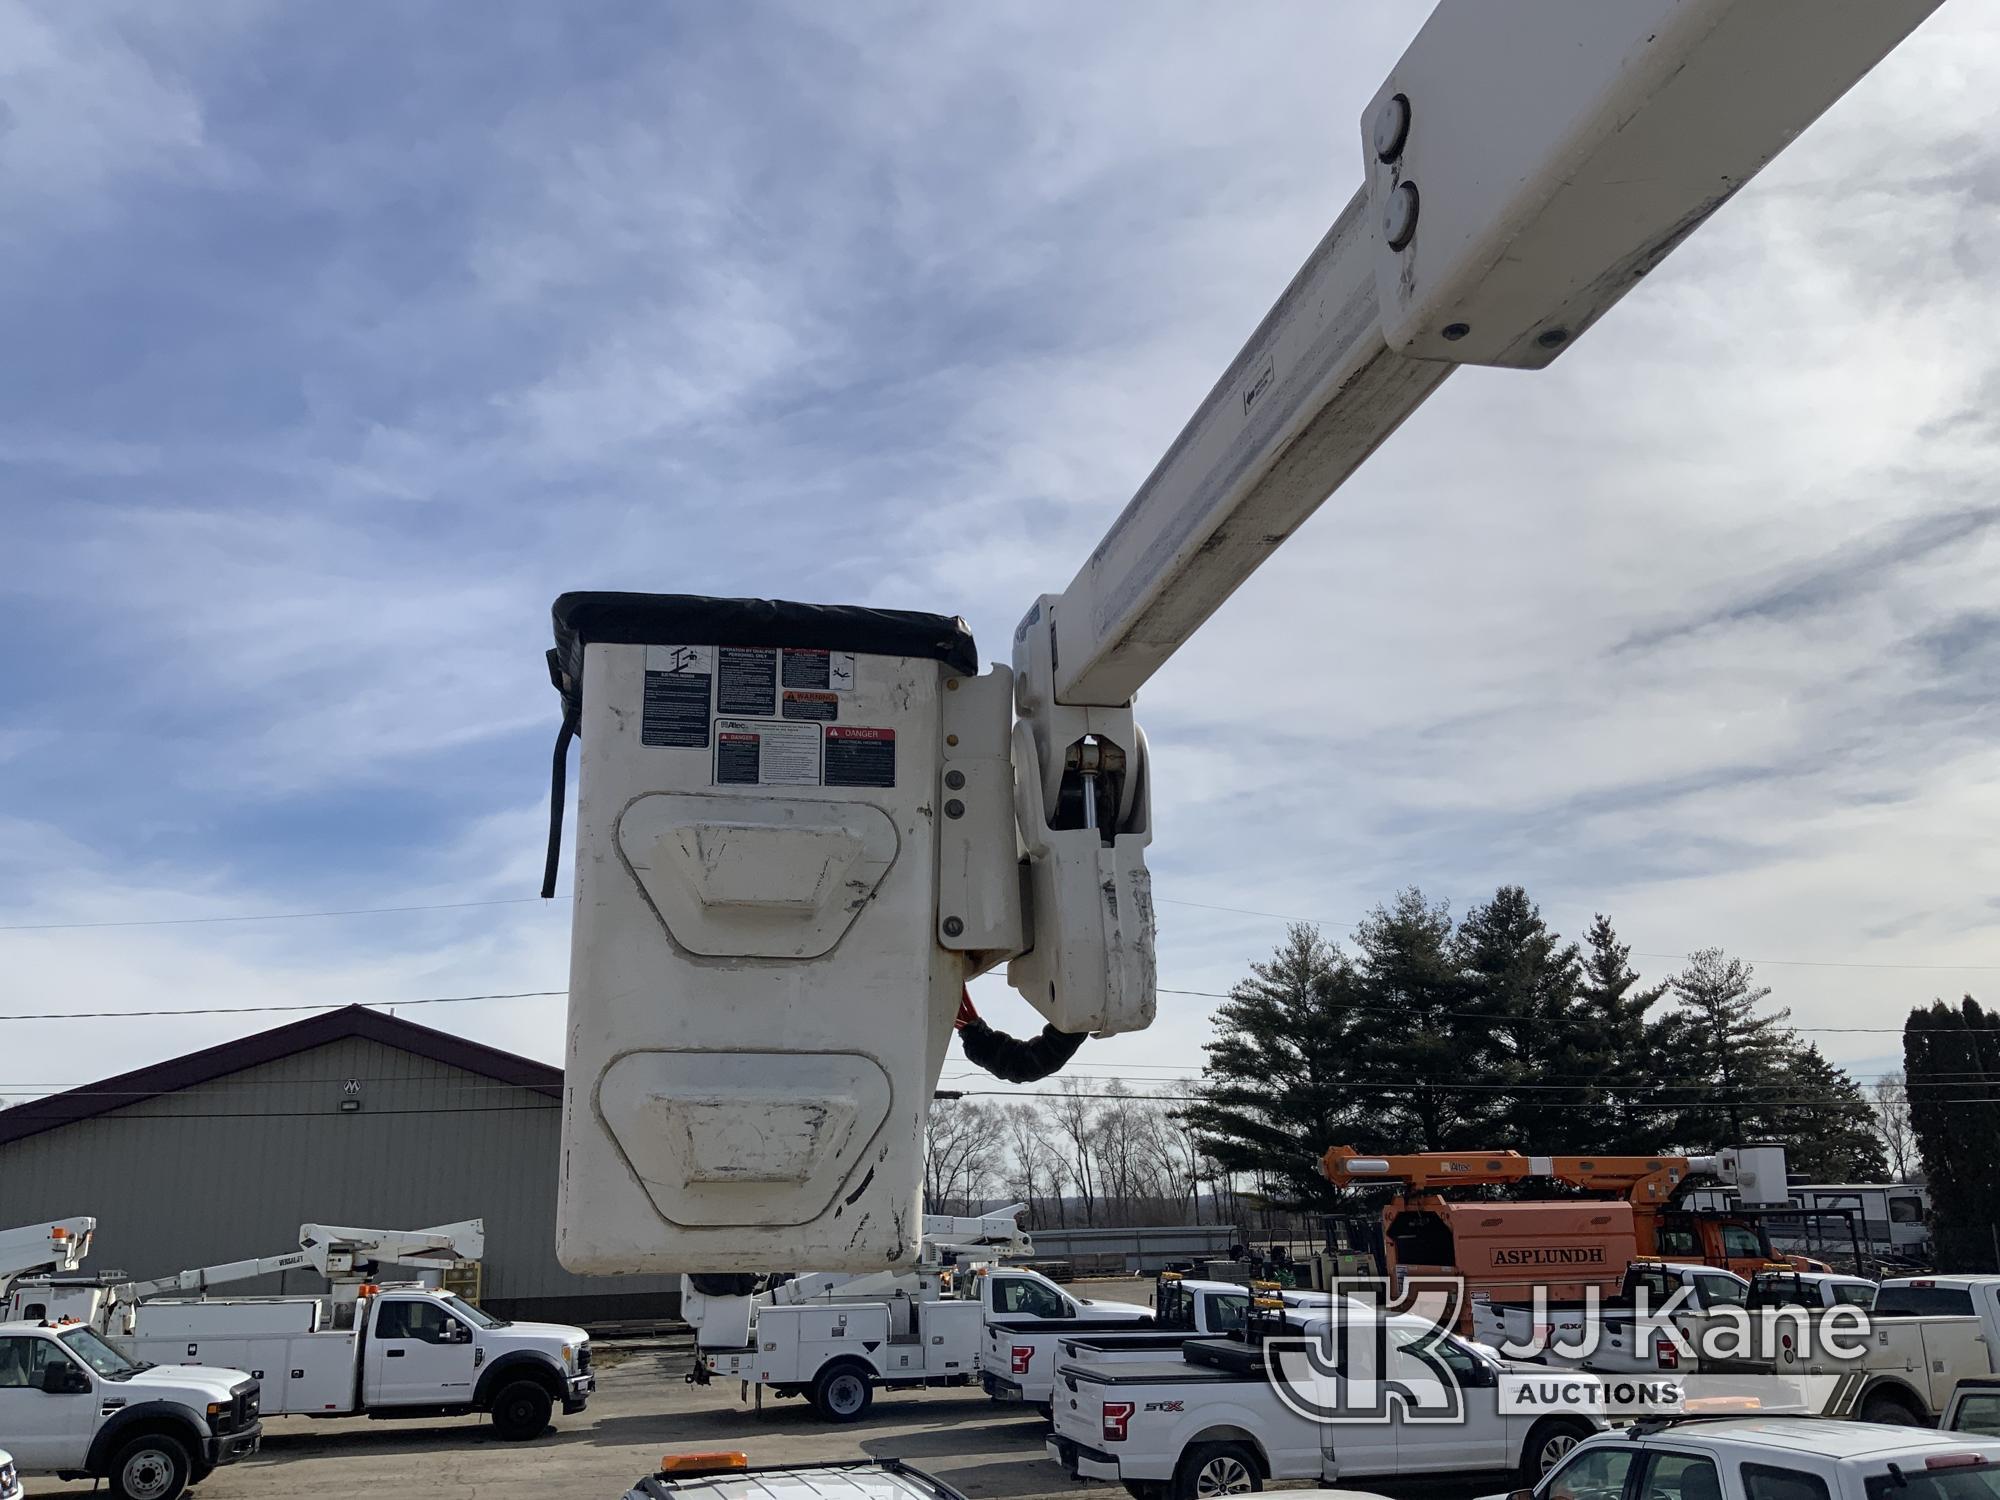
(99, 1355)
(1973, 1482)
(473, 1315)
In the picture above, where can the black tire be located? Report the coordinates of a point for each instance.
(1210, 1469)
(152, 1466)
(521, 1411)
(843, 1393)
(1891, 1410)
(1548, 1445)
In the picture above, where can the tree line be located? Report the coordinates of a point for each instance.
(1493, 1032)
(1428, 1032)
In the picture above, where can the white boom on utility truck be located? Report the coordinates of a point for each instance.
(370, 1348)
(54, 1248)
(801, 829)
(835, 1337)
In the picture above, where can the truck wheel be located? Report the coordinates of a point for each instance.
(151, 1467)
(1215, 1469)
(1548, 1445)
(843, 1394)
(1890, 1410)
(521, 1411)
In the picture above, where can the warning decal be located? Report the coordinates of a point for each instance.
(860, 757)
(766, 752)
(676, 703)
(747, 680)
(824, 670)
(824, 707)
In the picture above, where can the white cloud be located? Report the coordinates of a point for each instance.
(901, 313)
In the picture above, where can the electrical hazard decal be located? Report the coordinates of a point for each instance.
(678, 680)
(860, 757)
(766, 752)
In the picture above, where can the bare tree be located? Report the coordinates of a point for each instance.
(1074, 1115)
(1032, 1171)
(1892, 1122)
(964, 1146)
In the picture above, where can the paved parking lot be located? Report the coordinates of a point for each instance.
(643, 1408)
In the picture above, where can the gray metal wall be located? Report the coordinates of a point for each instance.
(230, 1169)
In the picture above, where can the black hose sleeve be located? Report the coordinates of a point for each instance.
(557, 778)
(1013, 1060)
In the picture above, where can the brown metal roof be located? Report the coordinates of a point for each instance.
(211, 1063)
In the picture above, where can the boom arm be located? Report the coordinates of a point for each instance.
(55, 1248)
(1640, 1180)
(343, 1256)
(1525, 167)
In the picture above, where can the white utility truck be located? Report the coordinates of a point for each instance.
(74, 1407)
(1231, 1414)
(1017, 1361)
(1926, 1334)
(377, 1349)
(834, 1337)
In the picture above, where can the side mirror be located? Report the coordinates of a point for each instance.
(64, 1379)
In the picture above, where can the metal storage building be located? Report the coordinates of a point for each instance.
(350, 1117)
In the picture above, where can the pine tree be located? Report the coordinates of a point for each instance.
(1719, 1059)
(1611, 1045)
(1416, 1038)
(1951, 1065)
(1524, 978)
(1274, 1091)
(1829, 1133)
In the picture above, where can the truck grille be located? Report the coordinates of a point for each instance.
(248, 1399)
(583, 1358)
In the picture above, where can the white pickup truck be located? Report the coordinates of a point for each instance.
(73, 1406)
(1017, 1361)
(1214, 1420)
(1974, 1408)
(1774, 1458)
(403, 1351)
(1601, 1336)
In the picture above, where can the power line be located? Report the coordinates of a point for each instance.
(251, 1010)
(1474, 1015)
(1751, 1103)
(1241, 911)
(274, 916)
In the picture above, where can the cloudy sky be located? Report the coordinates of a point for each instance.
(340, 340)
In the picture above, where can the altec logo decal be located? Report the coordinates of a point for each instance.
(1551, 1255)
(1024, 1355)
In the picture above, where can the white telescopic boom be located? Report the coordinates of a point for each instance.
(1527, 165)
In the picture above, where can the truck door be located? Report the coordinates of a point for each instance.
(1481, 1440)
(419, 1354)
(44, 1430)
(1027, 1297)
